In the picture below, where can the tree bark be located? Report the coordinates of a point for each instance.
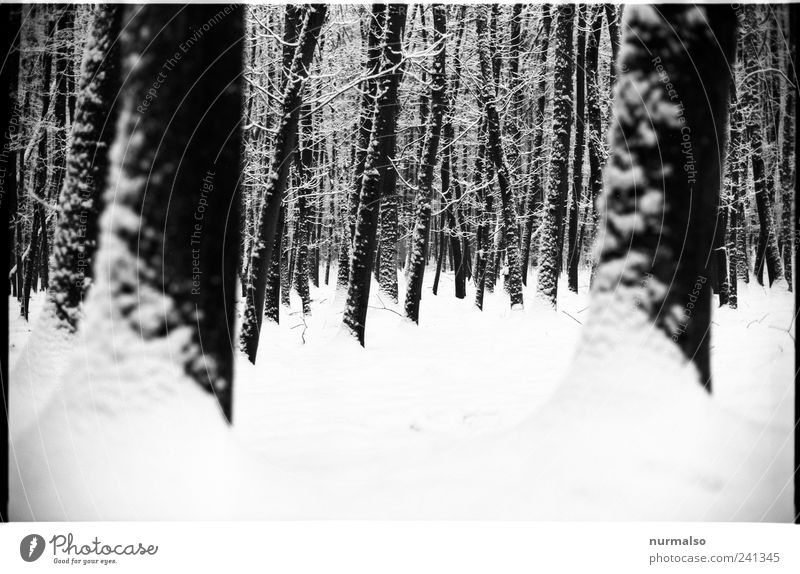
(430, 150)
(93, 129)
(651, 299)
(573, 246)
(537, 181)
(768, 251)
(168, 253)
(550, 257)
(283, 148)
(376, 163)
(495, 152)
(377, 21)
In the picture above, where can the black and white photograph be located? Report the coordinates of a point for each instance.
(399, 262)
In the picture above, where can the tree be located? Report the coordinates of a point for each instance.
(788, 148)
(558, 183)
(574, 247)
(613, 13)
(419, 240)
(450, 193)
(376, 162)
(595, 121)
(767, 251)
(651, 298)
(10, 17)
(495, 153)
(283, 149)
(375, 27)
(537, 181)
(87, 167)
(168, 251)
(303, 163)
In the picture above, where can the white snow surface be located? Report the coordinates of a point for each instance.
(468, 415)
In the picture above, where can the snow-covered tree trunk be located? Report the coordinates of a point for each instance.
(387, 262)
(272, 295)
(573, 246)
(595, 121)
(651, 298)
(788, 159)
(768, 252)
(374, 33)
(303, 165)
(450, 193)
(558, 181)
(422, 208)
(495, 153)
(485, 201)
(384, 118)
(283, 149)
(612, 21)
(75, 241)
(736, 175)
(168, 251)
(537, 181)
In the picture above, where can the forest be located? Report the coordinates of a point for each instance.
(400, 260)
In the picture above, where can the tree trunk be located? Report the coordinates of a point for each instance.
(303, 164)
(168, 253)
(595, 135)
(768, 251)
(93, 128)
(376, 163)
(11, 18)
(537, 181)
(377, 21)
(272, 295)
(283, 148)
(574, 247)
(495, 152)
(425, 184)
(612, 20)
(550, 257)
(788, 163)
(651, 299)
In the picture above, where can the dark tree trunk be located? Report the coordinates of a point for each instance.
(303, 164)
(450, 194)
(272, 295)
(558, 183)
(482, 233)
(648, 287)
(788, 160)
(537, 181)
(377, 21)
(495, 152)
(768, 251)
(574, 247)
(93, 129)
(283, 149)
(387, 260)
(31, 264)
(595, 121)
(168, 255)
(419, 241)
(376, 163)
(612, 19)
(10, 20)
(736, 172)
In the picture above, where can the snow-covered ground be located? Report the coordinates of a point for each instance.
(454, 418)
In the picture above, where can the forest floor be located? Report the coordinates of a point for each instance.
(326, 411)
